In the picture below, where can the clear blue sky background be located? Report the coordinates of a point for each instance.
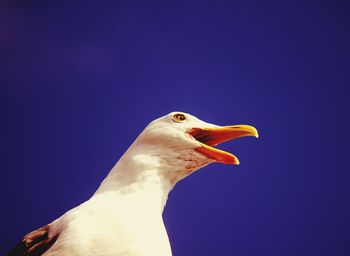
(79, 81)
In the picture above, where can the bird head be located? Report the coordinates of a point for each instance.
(185, 143)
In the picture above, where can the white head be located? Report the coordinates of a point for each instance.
(178, 144)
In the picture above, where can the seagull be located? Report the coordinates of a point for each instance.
(124, 215)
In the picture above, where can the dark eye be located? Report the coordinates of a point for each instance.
(179, 117)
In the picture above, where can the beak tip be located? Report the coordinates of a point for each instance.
(256, 134)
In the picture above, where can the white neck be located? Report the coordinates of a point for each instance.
(141, 176)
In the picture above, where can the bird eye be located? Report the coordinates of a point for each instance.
(179, 117)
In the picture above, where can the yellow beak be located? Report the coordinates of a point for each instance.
(209, 137)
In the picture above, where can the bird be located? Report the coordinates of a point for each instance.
(124, 215)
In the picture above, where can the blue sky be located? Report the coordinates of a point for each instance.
(80, 81)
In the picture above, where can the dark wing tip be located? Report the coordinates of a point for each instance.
(35, 243)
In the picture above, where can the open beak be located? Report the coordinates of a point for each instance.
(209, 137)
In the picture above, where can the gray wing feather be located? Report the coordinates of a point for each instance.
(35, 243)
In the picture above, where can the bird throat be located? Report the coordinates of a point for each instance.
(140, 179)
